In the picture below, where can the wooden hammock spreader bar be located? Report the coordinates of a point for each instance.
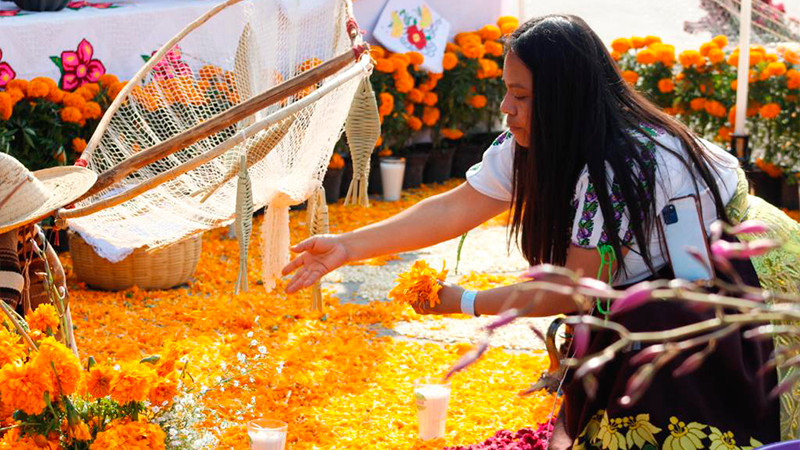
(361, 67)
(222, 121)
(142, 72)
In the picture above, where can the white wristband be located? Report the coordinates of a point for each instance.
(468, 302)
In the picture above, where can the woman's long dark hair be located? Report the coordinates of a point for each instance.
(582, 113)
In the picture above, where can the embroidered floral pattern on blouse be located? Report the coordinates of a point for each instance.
(630, 433)
(618, 206)
(586, 224)
(502, 138)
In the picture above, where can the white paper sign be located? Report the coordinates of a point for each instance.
(412, 25)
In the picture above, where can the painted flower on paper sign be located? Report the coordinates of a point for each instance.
(171, 65)
(77, 67)
(6, 72)
(416, 37)
(10, 12)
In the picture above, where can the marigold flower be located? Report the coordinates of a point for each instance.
(706, 47)
(666, 85)
(55, 95)
(115, 89)
(776, 69)
(107, 80)
(336, 162)
(716, 56)
(621, 45)
(452, 133)
(400, 62)
(74, 100)
(379, 142)
(509, 26)
(646, 56)
(85, 92)
(404, 83)
(638, 42)
(451, 47)
(651, 40)
(791, 56)
(11, 350)
(755, 58)
(415, 58)
(430, 115)
(467, 38)
(70, 114)
(17, 83)
(430, 99)
(488, 68)
(664, 53)
(473, 51)
(630, 76)
(53, 354)
(377, 52)
(493, 48)
(715, 108)
(721, 41)
(38, 89)
(45, 316)
(98, 384)
(23, 387)
(770, 111)
(384, 65)
(419, 285)
(416, 96)
(414, 123)
(409, 108)
(724, 134)
(615, 55)
(490, 32)
(166, 388)
(132, 383)
(477, 101)
(449, 60)
(91, 110)
(6, 106)
(124, 434)
(697, 104)
(689, 58)
(78, 145)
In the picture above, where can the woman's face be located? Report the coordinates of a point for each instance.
(519, 98)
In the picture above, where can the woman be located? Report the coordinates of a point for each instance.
(586, 166)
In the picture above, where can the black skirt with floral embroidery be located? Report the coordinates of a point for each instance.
(724, 404)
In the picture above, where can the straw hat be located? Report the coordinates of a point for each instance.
(27, 197)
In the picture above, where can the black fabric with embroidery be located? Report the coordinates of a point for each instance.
(724, 397)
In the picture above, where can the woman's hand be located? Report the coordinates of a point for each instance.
(318, 255)
(450, 301)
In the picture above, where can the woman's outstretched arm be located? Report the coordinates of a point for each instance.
(429, 222)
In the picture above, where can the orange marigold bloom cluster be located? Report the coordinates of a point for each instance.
(130, 435)
(452, 133)
(11, 349)
(419, 285)
(770, 110)
(386, 103)
(769, 168)
(98, 383)
(430, 115)
(630, 76)
(78, 145)
(132, 383)
(53, 354)
(163, 391)
(507, 24)
(666, 85)
(477, 101)
(414, 122)
(43, 318)
(22, 387)
(336, 162)
(488, 69)
(715, 108)
(449, 60)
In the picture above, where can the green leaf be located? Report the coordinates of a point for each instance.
(92, 362)
(151, 359)
(57, 61)
(146, 58)
(458, 252)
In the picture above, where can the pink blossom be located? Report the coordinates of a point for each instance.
(171, 65)
(735, 250)
(6, 72)
(634, 297)
(79, 68)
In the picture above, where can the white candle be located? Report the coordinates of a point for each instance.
(744, 65)
(392, 170)
(267, 439)
(432, 401)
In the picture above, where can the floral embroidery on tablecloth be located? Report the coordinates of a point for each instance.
(638, 432)
(6, 72)
(171, 65)
(78, 67)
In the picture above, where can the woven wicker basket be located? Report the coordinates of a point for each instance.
(162, 269)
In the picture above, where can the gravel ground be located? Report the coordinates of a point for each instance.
(485, 251)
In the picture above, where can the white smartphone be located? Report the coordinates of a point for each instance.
(683, 228)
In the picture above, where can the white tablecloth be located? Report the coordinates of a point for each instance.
(119, 33)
